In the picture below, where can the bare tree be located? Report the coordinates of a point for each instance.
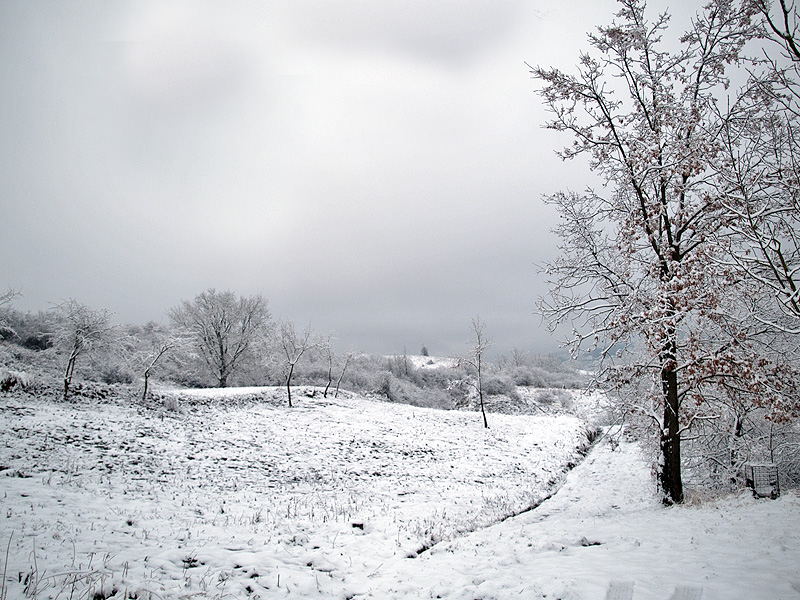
(636, 269)
(7, 298)
(155, 343)
(475, 360)
(345, 363)
(79, 330)
(334, 363)
(759, 185)
(223, 328)
(293, 345)
(326, 346)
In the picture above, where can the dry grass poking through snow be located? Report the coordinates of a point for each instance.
(247, 498)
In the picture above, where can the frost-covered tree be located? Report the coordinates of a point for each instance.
(222, 328)
(333, 363)
(293, 345)
(152, 343)
(8, 296)
(759, 180)
(344, 362)
(79, 330)
(5, 299)
(475, 360)
(638, 269)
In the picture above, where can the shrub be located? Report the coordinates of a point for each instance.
(401, 366)
(10, 380)
(115, 374)
(551, 396)
(39, 341)
(529, 376)
(499, 384)
(405, 392)
(438, 378)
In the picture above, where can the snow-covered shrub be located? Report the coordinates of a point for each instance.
(97, 391)
(500, 384)
(405, 392)
(112, 373)
(171, 403)
(541, 370)
(31, 330)
(528, 376)
(401, 367)
(10, 380)
(40, 341)
(367, 373)
(716, 451)
(551, 396)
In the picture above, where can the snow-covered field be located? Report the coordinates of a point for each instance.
(237, 495)
(337, 499)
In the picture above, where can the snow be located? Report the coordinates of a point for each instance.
(421, 361)
(606, 526)
(432, 362)
(236, 496)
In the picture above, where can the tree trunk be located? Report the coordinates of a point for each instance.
(224, 368)
(480, 392)
(289, 384)
(483, 410)
(330, 381)
(341, 376)
(223, 379)
(670, 468)
(144, 392)
(68, 375)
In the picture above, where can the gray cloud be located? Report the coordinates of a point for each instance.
(445, 31)
(375, 168)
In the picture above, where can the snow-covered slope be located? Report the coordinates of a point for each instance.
(238, 495)
(337, 498)
(605, 530)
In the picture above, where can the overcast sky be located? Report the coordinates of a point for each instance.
(373, 167)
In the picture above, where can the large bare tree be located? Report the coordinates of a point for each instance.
(637, 269)
(222, 328)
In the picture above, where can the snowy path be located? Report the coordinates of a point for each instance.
(604, 527)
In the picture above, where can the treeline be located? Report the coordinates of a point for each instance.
(219, 339)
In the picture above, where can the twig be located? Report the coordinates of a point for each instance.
(3, 590)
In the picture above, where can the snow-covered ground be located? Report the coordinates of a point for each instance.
(604, 534)
(238, 495)
(338, 498)
(432, 362)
